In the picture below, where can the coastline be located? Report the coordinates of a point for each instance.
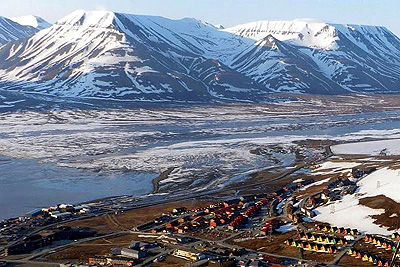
(164, 175)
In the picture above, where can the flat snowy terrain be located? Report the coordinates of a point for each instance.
(196, 141)
(207, 146)
(391, 147)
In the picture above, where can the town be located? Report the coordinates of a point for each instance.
(274, 228)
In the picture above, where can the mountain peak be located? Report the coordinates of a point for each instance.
(268, 41)
(96, 19)
(33, 21)
(150, 58)
(303, 32)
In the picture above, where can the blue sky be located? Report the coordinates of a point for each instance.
(225, 12)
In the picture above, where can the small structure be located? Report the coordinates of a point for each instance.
(131, 253)
(189, 254)
(61, 216)
(172, 239)
(35, 212)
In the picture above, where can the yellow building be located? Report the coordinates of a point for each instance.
(189, 254)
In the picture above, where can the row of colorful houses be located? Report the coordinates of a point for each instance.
(380, 242)
(311, 246)
(337, 230)
(322, 238)
(374, 259)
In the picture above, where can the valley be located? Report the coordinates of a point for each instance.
(101, 153)
(145, 140)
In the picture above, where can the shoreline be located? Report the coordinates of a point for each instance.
(164, 175)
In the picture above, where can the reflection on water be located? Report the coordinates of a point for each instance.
(26, 184)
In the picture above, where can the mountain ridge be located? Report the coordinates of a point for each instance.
(12, 31)
(104, 54)
(33, 21)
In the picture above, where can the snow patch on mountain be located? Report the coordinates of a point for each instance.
(33, 21)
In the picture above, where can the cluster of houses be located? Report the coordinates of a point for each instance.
(368, 257)
(323, 239)
(130, 256)
(242, 219)
(40, 217)
(61, 211)
(396, 236)
(380, 242)
(337, 230)
(311, 246)
(46, 238)
(295, 217)
(270, 226)
(139, 252)
(234, 213)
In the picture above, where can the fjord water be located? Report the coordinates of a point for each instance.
(27, 184)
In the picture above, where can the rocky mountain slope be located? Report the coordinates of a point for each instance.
(107, 55)
(316, 57)
(101, 54)
(11, 31)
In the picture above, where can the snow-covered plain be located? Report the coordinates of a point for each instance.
(391, 147)
(196, 140)
(209, 146)
(348, 213)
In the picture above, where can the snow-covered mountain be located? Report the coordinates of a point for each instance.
(111, 55)
(33, 21)
(334, 58)
(146, 58)
(11, 31)
(307, 32)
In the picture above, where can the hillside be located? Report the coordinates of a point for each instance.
(106, 55)
(11, 31)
